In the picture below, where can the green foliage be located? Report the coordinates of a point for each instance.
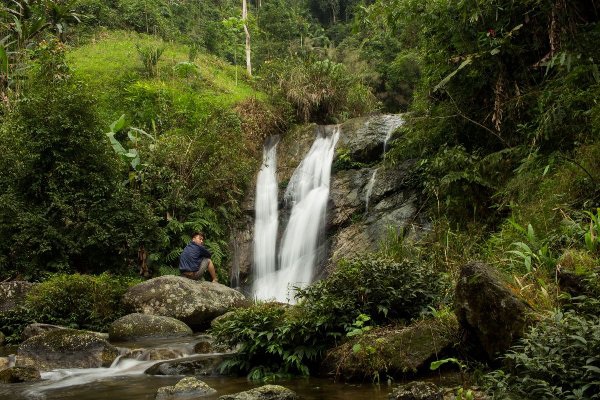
(79, 301)
(63, 207)
(284, 340)
(320, 91)
(558, 359)
(12, 323)
(149, 57)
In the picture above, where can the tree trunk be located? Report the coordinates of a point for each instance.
(247, 32)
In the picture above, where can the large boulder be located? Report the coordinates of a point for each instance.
(194, 302)
(134, 326)
(394, 351)
(13, 293)
(35, 329)
(491, 315)
(266, 392)
(365, 138)
(189, 387)
(197, 365)
(19, 374)
(66, 348)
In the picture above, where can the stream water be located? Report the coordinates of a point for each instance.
(126, 379)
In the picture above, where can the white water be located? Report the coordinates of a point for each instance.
(308, 193)
(392, 122)
(267, 216)
(370, 189)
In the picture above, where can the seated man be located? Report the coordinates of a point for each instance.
(195, 259)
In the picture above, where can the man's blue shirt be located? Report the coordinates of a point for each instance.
(190, 258)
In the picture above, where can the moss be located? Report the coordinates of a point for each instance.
(394, 350)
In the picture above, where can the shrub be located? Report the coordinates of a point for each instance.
(558, 359)
(280, 340)
(79, 301)
(12, 323)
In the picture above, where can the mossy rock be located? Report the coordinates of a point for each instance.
(491, 315)
(66, 348)
(266, 392)
(577, 273)
(2, 338)
(189, 387)
(417, 391)
(19, 374)
(137, 325)
(393, 351)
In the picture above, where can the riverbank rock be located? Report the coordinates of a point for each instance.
(13, 293)
(35, 329)
(19, 374)
(186, 388)
(417, 391)
(4, 361)
(66, 348)
(197, 365)
(393, 351)
(135, 326)
(2, 338)
(491, 316)
(266, 392)
(194, 302)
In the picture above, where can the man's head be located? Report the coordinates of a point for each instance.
(198, 237)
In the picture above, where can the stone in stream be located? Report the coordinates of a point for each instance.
(266, 392)
(159, 354)
(194, 302)
(197, 365)
(491, 315)
(19, 374)
(13, 293)
(186, 388)
(66, 348)
(135, 326)
(417, 391)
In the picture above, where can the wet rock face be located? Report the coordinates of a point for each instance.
(417, 391)
(66, 348)
(490, 314)
(351, 228)
(134, 326)
(266, 392)
(194, 302)
(186, 388)
(12, 294)
(19, 374)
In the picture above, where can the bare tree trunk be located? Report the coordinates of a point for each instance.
(247, 32)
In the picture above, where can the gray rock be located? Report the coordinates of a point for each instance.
(266, 392)
(35, 329)
(417, 391)
(19, 374)
(152, 354)
(364, 137)
(194, 302)
(134, 326)
(66, 348)
(197, 365)
(186, 388)
(490, 314)
(13, 293)
(4, 363)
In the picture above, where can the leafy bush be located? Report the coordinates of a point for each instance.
(280, 340)
(12, 323)
(79, 301)
(558, 359)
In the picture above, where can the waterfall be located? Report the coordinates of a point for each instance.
(266, 219)
(307, 193)
(370, 189)
(391, 122)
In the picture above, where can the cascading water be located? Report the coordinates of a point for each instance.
(308, 193)
(267, 217)
(370, 189)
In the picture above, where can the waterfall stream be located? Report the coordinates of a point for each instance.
(307, 193)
